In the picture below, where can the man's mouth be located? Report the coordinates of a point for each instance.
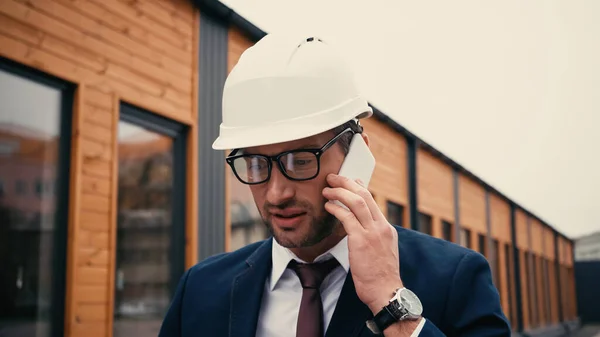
(288, 215)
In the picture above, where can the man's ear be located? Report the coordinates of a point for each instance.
(365, 138)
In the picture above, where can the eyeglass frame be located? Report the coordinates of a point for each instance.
(318, 152)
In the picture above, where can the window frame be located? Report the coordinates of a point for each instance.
(179, 133)
(62, 183)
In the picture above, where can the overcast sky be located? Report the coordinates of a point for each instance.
(508, 89)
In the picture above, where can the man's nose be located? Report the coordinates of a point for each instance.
(279, 188)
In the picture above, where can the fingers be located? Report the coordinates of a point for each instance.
(336, 181)
(358, 208)
(351, 224)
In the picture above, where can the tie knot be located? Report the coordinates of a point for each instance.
(311, 275)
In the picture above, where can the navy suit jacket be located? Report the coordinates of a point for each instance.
(221, 296)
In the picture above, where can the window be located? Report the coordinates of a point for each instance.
(465, 237)
(21, 187)
(495, 263)
(395, 214)
(532, 286)
(151, 220)
(424, 223)
(447, 231)
(481, 246)
(35, 133)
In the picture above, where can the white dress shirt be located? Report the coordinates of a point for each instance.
(283, 292)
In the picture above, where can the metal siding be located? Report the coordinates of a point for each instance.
(411, 162)
(587, 274)
(491, 254)
(517, 268)
(211, 165)
(456, 207)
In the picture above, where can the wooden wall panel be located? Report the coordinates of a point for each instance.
(549, 252)
(536, 237)
(435, 189)
(561, 259)
(521, 229)
(137, 51)
(568, 253)
(503, 286)
(390, 179)
(472, 207)
(500, 218)
(95, 42)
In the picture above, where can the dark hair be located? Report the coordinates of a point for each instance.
(345, 139)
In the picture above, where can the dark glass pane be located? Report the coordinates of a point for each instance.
(424, 223)
(496, 264)
(481, 244)
(395, 213)
(465, 237)
(144, 231)
(446, 230)
(30, 116)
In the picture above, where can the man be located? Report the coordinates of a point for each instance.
(290, 109)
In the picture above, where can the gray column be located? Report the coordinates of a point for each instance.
(455, 176)
(213, 46)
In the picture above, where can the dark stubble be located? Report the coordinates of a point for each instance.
(320, 226)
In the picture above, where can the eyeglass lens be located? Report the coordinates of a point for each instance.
(296, 165)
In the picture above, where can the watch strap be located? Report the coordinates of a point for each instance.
(384, 318)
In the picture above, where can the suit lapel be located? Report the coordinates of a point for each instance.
(350, 312)
(247, 291)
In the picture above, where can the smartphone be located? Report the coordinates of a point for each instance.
(359, 162)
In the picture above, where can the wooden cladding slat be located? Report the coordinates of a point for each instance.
(98, 99)
(151, 10)
(435, 184)
(165, 75)
(129, 30)
(95, 203)
(179, 9)
(92, 239)
(472, 205)
(92, 257)
(96, 150)
(131, 14)
(94, 221)
(55, 65)
(90, 329)
(80, 25)
(91, 294)
(91, 275)
(91, 312)
(93, 185)
(96, 167)
(98, 116)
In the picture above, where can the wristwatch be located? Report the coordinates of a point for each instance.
(405, 305)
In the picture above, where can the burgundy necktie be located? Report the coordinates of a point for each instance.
(310, 316)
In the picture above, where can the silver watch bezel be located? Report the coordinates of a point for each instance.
(405, 295)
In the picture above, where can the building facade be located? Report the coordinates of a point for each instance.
(109, 188)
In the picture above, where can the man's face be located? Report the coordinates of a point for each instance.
(294, 211)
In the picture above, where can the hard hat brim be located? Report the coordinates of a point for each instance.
(289, 130)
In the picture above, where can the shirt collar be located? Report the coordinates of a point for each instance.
(281, 257)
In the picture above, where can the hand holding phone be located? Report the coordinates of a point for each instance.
(358, 164)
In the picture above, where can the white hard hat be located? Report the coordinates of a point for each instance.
(286, 88)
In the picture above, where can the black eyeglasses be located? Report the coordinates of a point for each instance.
(297, 165)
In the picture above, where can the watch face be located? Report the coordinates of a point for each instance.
(411, 302)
